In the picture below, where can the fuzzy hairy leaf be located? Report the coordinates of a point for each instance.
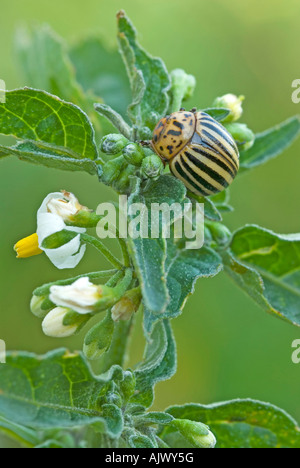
(270, 144)
(267, 266)
(183, 269)
(99, 69)
(148, 254)
(30, 114)
(160, 363)
(240, 424)
(57, 390)
(45, 63)
(142, 68)
(55, 159)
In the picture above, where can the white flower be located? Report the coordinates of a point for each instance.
(81, 296)
(53, 324)
(65, 206)
(50, 220)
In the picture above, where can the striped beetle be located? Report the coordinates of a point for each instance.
(200, 151)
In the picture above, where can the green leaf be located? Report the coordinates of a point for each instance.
(57, 390)
(241, 424)
(55, 159)
(217, 113)
(29, 114)
(267, 266)
(183, 269)
(221, 201)
(149, 254)
(22, 434)
(160, 363)
(270, 144)
(99, 69)
(138, 440)
(152, 70)
(154, 418)
(210, 210)
(45, 63)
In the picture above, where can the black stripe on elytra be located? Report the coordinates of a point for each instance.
(218, 143)
(207, 170)
(232, 169)
(198, 178)
(178, 124)
(218, 129)
(174, 132)
(185, 177)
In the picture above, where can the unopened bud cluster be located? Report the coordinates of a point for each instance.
(128, 158)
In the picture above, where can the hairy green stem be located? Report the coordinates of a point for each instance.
(118, 351)
(101, 248)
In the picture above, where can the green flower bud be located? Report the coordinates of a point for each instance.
(62, 322)
(127, 386)
(133, 154)
(233, 103)
(219, 232)
(37, 306)
(123, 183)
(127, 306)
(196, 433)
(99, 338)
(144, 133)
(207, 235)
(152, 166)
(242, 135)
(113, 143)
(182, 84)
(112, 170)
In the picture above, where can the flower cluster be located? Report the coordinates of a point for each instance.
(65, 307)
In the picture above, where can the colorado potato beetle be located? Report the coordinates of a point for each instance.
(200, 151)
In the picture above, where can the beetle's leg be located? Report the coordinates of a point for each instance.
(182, 109)
(145, 142)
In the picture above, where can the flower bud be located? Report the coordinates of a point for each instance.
(39, 306)
(113, 143)
(123, 183)
(133, 154)
(62, 322)
(183, 83)
(99, 338)
(82, 296)
(144, 133)
(127, 306)
(219, 232)
(112, 170)
(152, 166)
(243, 136)
(233, 103)
(196, 433)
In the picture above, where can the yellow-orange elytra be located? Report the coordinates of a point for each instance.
(200, 151)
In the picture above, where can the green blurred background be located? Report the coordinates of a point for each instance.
(227, 346)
